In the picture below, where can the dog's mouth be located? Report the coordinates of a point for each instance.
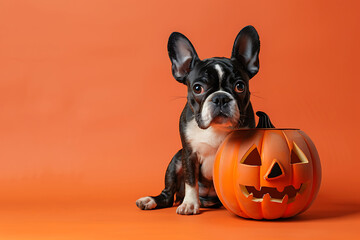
(222, 117)
(222, 112)
(287, 195)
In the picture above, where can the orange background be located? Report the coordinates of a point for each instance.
(89, 112)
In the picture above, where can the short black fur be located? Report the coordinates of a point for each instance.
(185, 167)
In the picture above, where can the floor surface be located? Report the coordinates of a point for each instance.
(324, 220)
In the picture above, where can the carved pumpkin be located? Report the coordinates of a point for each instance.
(267, 172)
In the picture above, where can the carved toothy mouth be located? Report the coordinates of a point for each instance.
(288, 194)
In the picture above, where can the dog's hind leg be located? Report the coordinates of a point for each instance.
(166, 197)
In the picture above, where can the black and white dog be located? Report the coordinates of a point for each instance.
(218, 102)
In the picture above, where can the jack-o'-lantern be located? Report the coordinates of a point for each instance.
(266, 172)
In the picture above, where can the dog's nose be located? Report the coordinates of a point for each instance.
(220, 100)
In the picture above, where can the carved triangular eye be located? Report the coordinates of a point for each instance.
(252, 157)
(298, 156)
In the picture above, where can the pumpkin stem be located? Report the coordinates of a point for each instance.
(264, 120)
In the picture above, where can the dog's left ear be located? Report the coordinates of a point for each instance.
(246, 50)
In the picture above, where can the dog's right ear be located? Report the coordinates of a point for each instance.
(246, 50)
(182, 55)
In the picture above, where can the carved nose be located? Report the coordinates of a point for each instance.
(275, 171)
(220, 100)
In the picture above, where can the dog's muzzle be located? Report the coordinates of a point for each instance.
(220, 108)
(221, 103)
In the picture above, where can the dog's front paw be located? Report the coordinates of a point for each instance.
(146, 203)
(188, 208)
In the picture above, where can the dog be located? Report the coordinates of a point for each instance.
(218, 101)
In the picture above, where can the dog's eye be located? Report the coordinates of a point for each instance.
(198, 89)
(240, 87)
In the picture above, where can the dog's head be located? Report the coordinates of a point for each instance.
(218, 88)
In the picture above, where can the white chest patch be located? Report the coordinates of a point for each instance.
(205, 143)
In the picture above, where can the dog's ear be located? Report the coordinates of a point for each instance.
(182, 55)
(246, 50)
